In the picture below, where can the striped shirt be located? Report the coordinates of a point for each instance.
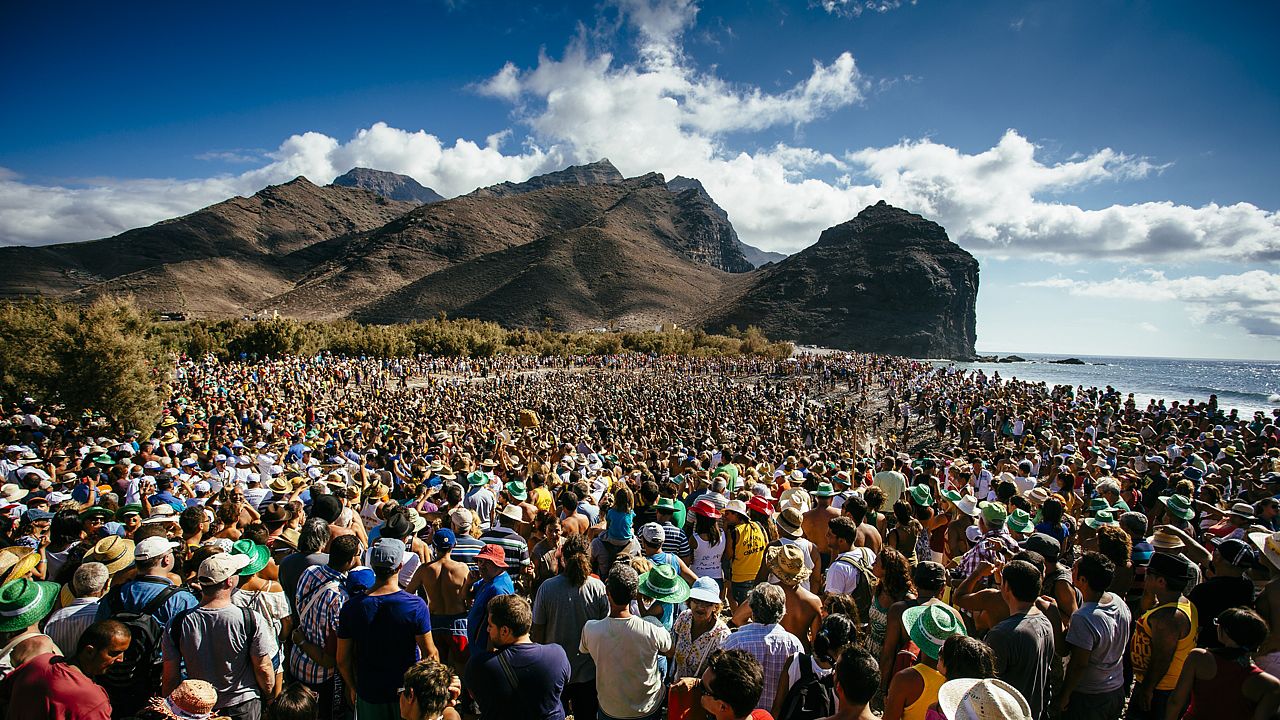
(317, 619)
(67, 624)
(771, 645)
(674, 540)
(513, 546)
(466, 550)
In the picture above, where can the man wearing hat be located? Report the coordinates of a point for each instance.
(814, 522)
(480, 499)
(227, 646)
(746, 541)
(652, 537)
(994, 543)
(494, 581)
(1226, 587)
(1163, 637)
(381, 634)
(445, 581)
(674, 541)
(787, 568)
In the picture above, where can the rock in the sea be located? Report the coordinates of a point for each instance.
(1069, 361)
(1011, 359)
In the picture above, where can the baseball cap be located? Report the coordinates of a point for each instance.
(1046, 545)
(652, 533)
(460, 518)
(1237, 552)
(217, 568)
(444, 539)
(153, 547)
(386, 554)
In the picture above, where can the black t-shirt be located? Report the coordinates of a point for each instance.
(1213, 596)
(540, 673)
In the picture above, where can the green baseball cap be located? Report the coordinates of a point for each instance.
(993, 513)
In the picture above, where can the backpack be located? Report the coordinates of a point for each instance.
(867, 583)
(811, 697)
(133, 679)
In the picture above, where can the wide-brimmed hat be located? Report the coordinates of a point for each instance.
(97, 511)
(982, 699)
(664, 584)
(951, 496)
(1020, 521)
(1165, 540)
(665, 504)
(993, 512)
(475, 479)
(706, 509)
(760, 505)
(789, 521)
(12, 492)
(280, 484)
(511, 511)
(1169, 565)
(1179, 506)
(191, 700)
(737, 506)
(824, 489)
(1098, 503)
(787, 562)
(1101, 518)
(1037, 495)
(516, 490)
(258, 555)
(494, 554)
(1269, 545)
(16, 562)
(24, 601)
(968, 505)
(930, 625)
(922, 495)
(1242, 511)
(795, 497)
(113, 551)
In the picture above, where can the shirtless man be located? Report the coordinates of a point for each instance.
(815, 521)
(804, 609)
(868, 536)
(443, 582)
(573, 522)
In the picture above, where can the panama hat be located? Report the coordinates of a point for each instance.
(824, 490)
(922, 495)
(664, 584)
(930, 625)
(1037, 495)
(1019, 521)
(760, 505)
(795, 497)
(1242, 511)
(1165, 540)
(1269, 545)
(113, 551)
(706, 509)
(24, 602)
(1102, 517)
(512, 511)
(476, 479)
(789, 521)
(968, 505)
(12, 492)
(516, 490)
(737, 506)
(982, 699)
(258, 555)
(1179, 506)
(787, 562)
(1097, 504)
(16, 562)
(280, 484)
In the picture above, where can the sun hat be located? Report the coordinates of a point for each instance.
(1268, 544)
(24, 602)
(494, 554)
(1165, 540)
(665, 504)
(1179, 506)
(153, 547)
(737, 506)
(760, 505)
(664, 584)
(1019, 521)
(115, 552)
(787, 562)
(951, 496)
(191, 700)
(994, 513)
(512, 512)
(789, 521)
(930, 625)
(417, 520)
(1243, 511)
(1101, 518)
(968, 505)
(258, 555)
(476, 479)
(922, 495)
(460, 519)
(706, 509)
(1098, 503)
(982, 699)
(516, 490)
(652, 533)
(16, 562)
(12, 492)
(706, 590)
(130, 509)
(1037, 495)
(795, 497)
(824, 489)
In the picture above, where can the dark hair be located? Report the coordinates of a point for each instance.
(428, 681)
(1023, 580)
(257, 532)
(191, 519)
(967, 657)
(1098, 571)
(897, 574)
(856, 507)
(874, 497)
(649, 491)
(843, 528)
(738, 681)
(842, 604)
(858, 674)
(576, 560)
(1005, 490)
(511, 612)
(295, 702)
(343, 550)
(568, 500)
(1115, 545)
(66, 527)
(1245, 627)
(621, 584)
(101, 633)
(834, 634)
(1051, 511)
(902, 512)
(313, 536)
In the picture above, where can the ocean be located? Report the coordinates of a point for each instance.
(1246, 385)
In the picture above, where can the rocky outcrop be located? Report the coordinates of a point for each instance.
(389, 185)
(600, 172)
(730, 247)
(886, 281)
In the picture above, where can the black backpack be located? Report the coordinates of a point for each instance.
(135, 678)
(812, 697)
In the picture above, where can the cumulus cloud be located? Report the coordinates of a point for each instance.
(1250, 299)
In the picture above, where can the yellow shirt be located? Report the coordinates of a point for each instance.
(541, 499)
(748, 551)
(932, 682)
(1141, 650)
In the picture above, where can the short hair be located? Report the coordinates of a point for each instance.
(967, 657)
(295, 702)
(843, 528)
(857, 672)
(1023, 580)
(856, 507)
(191, 519)
(428, 681)
(101, 633)
(1135, 523)
(568, 499)
(511, 612)
(768, 602)
(1097, 570)
(89, 579)
(343, 549)
(739, 679)
(1108, 486)
(313, 536)
(621, 584)
(1245, 627)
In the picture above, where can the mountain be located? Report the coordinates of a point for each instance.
(731, 246)
(886, 281)
(758, 257)
(389, 185)
(600, 172)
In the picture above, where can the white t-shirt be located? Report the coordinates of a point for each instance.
(706, 558)
(626, 653)
(843, 577)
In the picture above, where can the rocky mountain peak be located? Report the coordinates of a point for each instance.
(389, 185)
(600, 172)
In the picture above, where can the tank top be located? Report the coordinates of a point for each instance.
(1141, 651)
(706, 558)
(878, 624)
(748, 551)
(1220, 697)
(932, 682)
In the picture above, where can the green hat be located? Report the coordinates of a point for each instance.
(477, 478)
(1098, 503)
(1019, 521)
(1100, 518)
(824, 490)
(103, 459)
(1179, 506)
(135, 508)
(96, 512)
(930, 625)
(665, 504)
(993, 513)
(922, 495)
(516, 490)
(25, 601)
(952, 495)
(259, 555)
(664, 584)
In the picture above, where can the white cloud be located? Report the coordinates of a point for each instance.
(1250, 299)
(855, 8)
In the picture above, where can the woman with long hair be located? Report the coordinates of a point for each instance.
(835, 633)
(707, 542)
(906, 534)
(894, 573)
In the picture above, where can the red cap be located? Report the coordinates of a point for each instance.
(494, 554)
(705, 508)
(760, 505)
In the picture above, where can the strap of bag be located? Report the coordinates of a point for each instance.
(314, 597)
(508, 671)
(159, 600)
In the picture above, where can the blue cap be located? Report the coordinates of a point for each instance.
(359, 580)
(444, 539)
(113, 528)
(386, 554)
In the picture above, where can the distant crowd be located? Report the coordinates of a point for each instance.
(633, 537)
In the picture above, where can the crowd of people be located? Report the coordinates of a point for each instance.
(843, 536)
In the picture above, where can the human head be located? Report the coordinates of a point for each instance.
(295, 702)
(90, 580)
(768, 602)
(427, 691)
(510, 618)
(731, 684)
(1242, 627)
(857, 676)
(344, 552)
(962, 656)
(835, 634)
(621, 584)
(841, 534)
(101, 645)
(313, 536)
(1094, 573)
(1021, 580)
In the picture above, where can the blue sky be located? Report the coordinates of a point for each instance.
(1111, 164)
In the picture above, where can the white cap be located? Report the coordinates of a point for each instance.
(153, 547)
(217, 568)
(151, 465)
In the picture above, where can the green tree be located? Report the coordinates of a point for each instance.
(107, 364)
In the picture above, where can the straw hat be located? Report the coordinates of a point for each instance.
(1269, 545)
(1165, 540)
(191, 700)
(16, 562)
(988, 699)
(787, 562)
(789, 521)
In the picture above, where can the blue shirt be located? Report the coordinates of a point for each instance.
(385, 630)
(167, 498)
(135, 594)
(478, 617)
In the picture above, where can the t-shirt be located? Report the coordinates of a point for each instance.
(1023, 646)
(1213, 596)
(1103, 630)
(563, 609)
(481, 502)
(540, 671)
(47, 686)
(385, 629)
(628, 685)
(478, 616)
(893, 483)
(215, 646)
